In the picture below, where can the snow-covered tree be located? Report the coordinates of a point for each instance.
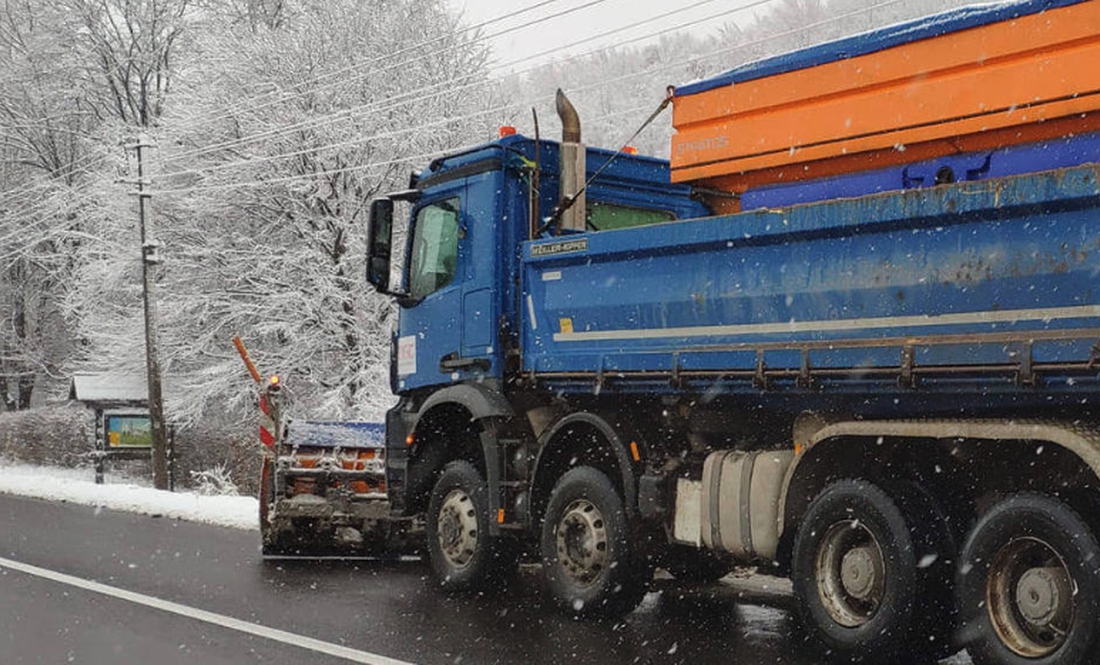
(129, 49)
(277, 121)
(46, 128)
(272, 145)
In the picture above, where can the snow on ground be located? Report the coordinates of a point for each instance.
(126, 494)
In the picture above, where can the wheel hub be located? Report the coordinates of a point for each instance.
(1030, 596)
(582, 542)
(851, 573)
(1040, 594)
(458, 530)
(860, 570)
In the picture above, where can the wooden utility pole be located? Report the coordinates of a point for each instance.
(150, 258)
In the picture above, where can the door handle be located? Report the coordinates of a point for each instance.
(452, 361)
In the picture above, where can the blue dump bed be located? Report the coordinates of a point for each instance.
(989, 287)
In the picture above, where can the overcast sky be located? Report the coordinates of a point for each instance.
(561, 23)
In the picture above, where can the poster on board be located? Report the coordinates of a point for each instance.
(129, 431)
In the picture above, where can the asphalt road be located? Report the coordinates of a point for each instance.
(85, 586)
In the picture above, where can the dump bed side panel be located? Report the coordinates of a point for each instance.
(974, 286)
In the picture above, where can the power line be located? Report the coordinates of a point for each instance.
(668, 67)
(631, 26)
(407, 49)
(448, 87)
(483, 38)
(79, 167)
(85, 166)
(81, 194)
(363, 68)
(41, 223)
(606, 82)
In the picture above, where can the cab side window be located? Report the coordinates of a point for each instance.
(602, 216)
(434, 254)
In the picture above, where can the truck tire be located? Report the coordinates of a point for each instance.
(1028, 585)
(933, 636)
(463, 554)
(588, 563)
(859, 585)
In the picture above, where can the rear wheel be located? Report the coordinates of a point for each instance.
(863, 575)
(932, 637)
(588, 563)
(1029, 585)
(463, 554)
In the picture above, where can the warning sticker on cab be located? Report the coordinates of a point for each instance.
(406, 355)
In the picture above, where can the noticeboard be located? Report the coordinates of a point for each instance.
(128, 430)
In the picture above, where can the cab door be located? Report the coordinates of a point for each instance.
(431, 322)
(449, 323)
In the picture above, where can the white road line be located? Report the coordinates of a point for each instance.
(353, 655)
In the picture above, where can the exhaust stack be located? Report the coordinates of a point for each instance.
(573, 166)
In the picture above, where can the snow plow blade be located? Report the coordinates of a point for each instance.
(323, 494)
(323, 485)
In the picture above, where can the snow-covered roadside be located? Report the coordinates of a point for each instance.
(78, 486)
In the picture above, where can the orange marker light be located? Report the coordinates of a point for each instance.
(500, 516)
(410, 439)
(634, 451)
(629, 150)
(507, 130)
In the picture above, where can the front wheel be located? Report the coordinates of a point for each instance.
(1028, 587)
(463, 554)
(588, 563)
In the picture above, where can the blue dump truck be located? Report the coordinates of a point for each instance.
(877, 376)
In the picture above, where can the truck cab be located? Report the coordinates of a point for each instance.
(457, 283)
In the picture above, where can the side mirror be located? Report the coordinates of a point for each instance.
(380, 244)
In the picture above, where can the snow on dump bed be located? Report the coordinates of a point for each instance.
(343, 434)
(78, 486)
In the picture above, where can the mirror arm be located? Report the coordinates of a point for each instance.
(410, 195)
(402, 298)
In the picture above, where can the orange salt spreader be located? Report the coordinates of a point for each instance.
(975, 79)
